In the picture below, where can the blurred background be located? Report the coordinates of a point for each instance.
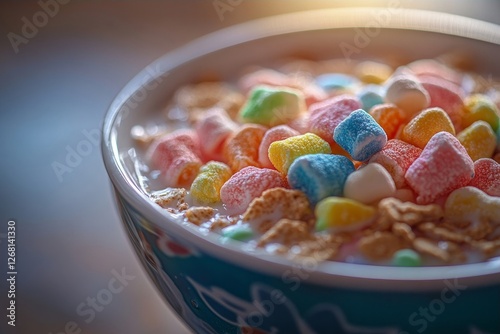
(57, 78)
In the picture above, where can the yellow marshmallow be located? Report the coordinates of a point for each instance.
(425, 125)
(283, 152)
(479, 140)
(340, 213)
(479, 107)
(373, 72)
(469, 204)
(206, 186)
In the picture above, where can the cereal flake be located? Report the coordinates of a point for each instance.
(287, 232)
(200, 214)
(380, 245)
(292, 204)
(170, 198)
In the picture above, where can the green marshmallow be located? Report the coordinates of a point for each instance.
(407, 258)
(238, 232)
(270, 106)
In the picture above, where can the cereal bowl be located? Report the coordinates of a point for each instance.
(224, 287)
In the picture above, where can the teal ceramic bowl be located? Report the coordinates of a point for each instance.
(222, 287)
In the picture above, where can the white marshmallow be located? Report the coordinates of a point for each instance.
(407, 93)
(369, 184)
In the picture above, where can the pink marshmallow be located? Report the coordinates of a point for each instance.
(487, 176)
(443, 166)
(431, 68)
(247, 184)
(300, 124)
(447, 96)
(177, 156)
(274, 134)
(326, 115)
(214, 128)
(397, 156)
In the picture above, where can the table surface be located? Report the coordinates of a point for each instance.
(56, 82)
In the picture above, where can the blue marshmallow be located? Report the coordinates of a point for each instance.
(371, 95)
(320, 175)
(360, 135)
(333, 81)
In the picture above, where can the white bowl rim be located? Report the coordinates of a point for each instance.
(334, 274)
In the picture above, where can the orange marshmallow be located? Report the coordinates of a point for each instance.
(389, 117)
(242, 147)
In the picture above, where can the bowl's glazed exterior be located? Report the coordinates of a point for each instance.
(222, 288)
